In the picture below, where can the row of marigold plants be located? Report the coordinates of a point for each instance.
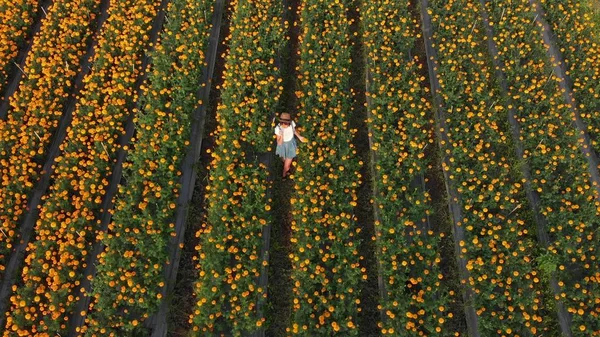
(326, 270)
(415, 298)
(36, 107)
(16, 20)
(130, 270)
(498, 243)
(238, 203)
(575, 25)
(70, 213)
(561, 176)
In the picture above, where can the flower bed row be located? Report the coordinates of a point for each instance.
(16, 18)
(37, 106)
(550, 139)
(577, 36)
(499, 240)
(130, 276)
(402, 128)
(326, 273)
(68, 218)
(229, 258)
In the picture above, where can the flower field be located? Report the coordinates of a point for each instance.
(473, 199)
(28, 128)
(137, 246)
(325, 260)
(401, 132)
(482, 167)
(16, 19)
(577, 37)
(228, 257)
(567, 213)
(66, 224)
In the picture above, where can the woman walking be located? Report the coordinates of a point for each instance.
(286, 144)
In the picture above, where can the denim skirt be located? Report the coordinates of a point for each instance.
(287, 149)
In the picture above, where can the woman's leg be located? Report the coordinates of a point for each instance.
(287, 163)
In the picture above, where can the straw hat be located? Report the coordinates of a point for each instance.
(285, 117)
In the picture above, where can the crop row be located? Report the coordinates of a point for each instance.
(326, 271)
(229, 260)
(130, 269)
(498, 242)
(401, 128)
(37, 106)
(68, 219)
(552, 149)
(16, 18)
(576, 33)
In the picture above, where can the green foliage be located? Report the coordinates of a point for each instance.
(229, 253)
(401, 128)
(143, 219)
(325, 260)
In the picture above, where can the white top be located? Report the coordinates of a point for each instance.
(288, 133)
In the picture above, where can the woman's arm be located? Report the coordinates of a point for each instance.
(298, 134)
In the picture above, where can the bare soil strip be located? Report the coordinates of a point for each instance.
(279, 300)
(376, 217)
(369, 315)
